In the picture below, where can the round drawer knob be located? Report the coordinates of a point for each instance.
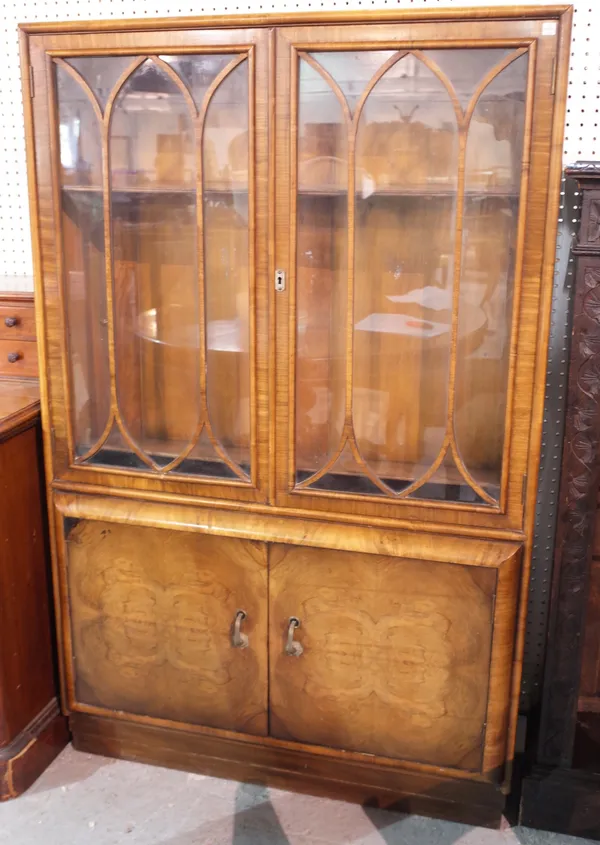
(13, 357)
(10, 322)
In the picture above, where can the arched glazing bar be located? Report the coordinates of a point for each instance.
(348, 439)
(118, 428)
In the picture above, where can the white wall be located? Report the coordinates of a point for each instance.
(15, 241)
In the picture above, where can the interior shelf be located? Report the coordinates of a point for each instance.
(508, 192)
(317, 191)
(216, 188)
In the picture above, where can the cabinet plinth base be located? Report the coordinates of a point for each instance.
(32, 751)
(328, 775)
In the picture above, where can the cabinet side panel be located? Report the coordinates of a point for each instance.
(26, 663)
(502, 691)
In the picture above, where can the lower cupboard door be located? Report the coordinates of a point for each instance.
(402, 658)
(153, 624)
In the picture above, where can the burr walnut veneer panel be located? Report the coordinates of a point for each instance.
(152, 612)
(396, 653)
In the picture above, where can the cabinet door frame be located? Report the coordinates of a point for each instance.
(255, 585)
(38, 52)
(501, 561)
(548, 43)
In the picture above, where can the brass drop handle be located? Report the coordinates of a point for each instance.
(239, 640)
(13, 357)
(10, 322)
(292, 646)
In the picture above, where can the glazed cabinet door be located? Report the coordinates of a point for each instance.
(166, 624)
(395, 657)
(411, 226)
(157, 163)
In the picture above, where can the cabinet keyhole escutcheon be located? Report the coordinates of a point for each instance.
(279, 280)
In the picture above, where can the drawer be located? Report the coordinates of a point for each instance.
(409, 659)
(18, 358)
(153, 624)
(17, 321)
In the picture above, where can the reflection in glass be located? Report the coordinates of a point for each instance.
(226, 264)
(198, 72)
(493, 160)
(83, 259)
(80, 138)
(225, 149)
(101, 73)
(465, 69)
(351, 70)
(321, 283)
(151, 133)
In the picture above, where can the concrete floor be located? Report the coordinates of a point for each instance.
(87, 800)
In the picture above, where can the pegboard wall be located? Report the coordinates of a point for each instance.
(15, 239)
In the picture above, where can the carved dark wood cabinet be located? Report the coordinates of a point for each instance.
(561, 792)
(294, 280)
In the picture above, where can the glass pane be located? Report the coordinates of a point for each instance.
(448, 485)
(225, 149)
(227, 264)
(116, 453)
(406, 165)
(466, 69)
(198, 72)
(352, 70)
(406, 179)
(232, 463)
(152, 134)
(79, 135)
(321, 276)
(155, 274)
(344, 476)
(101, 73)
(83, 262)
(493, 172)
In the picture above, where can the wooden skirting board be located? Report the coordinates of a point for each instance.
(24, 759)
(301, 770)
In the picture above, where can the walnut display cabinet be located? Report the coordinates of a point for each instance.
(293, 291)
